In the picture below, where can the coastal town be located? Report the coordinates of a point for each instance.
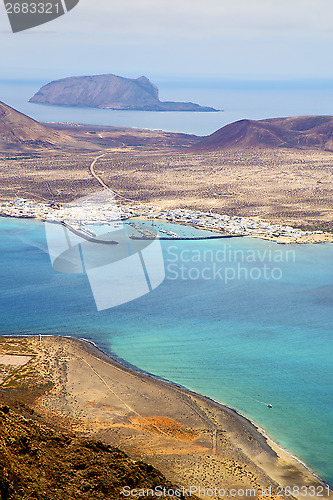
(86, 213)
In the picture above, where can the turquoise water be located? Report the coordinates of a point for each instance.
(249, 340)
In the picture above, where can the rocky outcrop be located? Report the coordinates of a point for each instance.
(110, 92)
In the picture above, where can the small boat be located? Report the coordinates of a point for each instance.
(269, 405)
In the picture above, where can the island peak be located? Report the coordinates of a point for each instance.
(109, 92)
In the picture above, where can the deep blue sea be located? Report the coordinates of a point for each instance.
(237, 99)
(266, 337)
(249, 340)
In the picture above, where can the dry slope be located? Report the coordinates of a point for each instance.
(300, 132)
(18, 132)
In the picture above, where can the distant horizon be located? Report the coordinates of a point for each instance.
(246, 100)
(258, 40)
(233, 83)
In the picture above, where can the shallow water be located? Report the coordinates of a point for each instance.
(249, 340)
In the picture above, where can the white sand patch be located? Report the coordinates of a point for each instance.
(13, 360)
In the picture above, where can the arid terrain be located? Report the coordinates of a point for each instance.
(283, 185)
(297, 132)
(72, 387)
(289, 187)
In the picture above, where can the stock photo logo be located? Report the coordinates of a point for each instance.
(122, 260)
(26, 14)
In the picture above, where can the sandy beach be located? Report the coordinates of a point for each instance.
(192, 440)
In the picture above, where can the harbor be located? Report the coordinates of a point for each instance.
(78, 216)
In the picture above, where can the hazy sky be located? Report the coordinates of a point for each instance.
(248, 39)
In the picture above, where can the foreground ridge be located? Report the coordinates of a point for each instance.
(68, 384)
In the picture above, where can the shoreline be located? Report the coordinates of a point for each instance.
(223, 406)
(276, 239)
(311, 239)
(120, 363)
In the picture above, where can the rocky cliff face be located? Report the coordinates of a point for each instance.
(111, 92)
